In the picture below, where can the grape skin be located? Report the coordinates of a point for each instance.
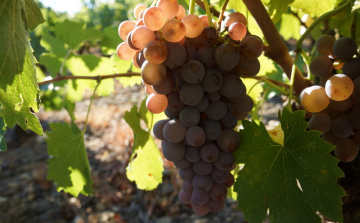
(339, 87)
(156, 103)
(321, 66)
(320, 122)
(324, 44)
(314, 99)
(174, 131)
(344, 48)
(173, 151)
(346, 150)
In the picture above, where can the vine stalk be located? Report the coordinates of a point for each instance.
(208, 13)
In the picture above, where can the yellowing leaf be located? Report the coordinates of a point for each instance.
(276, 133)
(314, 7)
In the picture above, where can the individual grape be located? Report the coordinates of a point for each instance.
(321, 66)
(239, 98)
(166, 86)
(219, 176)
(200, 197)
(212, 129)
(216, 110)
(215, 206)
(177, 77)
(199, 210)
(227, 55)
(189, 116)
(320, 122)
(175, 102)
(173, 30)
(170, 7)
(232, 86)
(214, 96)
(181, 13)
(140, 22)
(204, 20)
(218, 192)
(237, 31)
(324, 79)
(148, 88)
(229, 181)
(193, 24)
(245, 105)
(174, 131)
(314, 99)
(154, 18)
(202, 168)
(129, 42)
(187, 174)
(190, 52)
(193, 72)
(330, 137)
(183, 163)
(184, 197)
(211, 35)
(225, 161)
(198, 42)
(247, 68)
(209, 153)
(251, 47)
(153, 74)
(240, 115)
(187, 186)
(155, 52)
(191, 94)
(342, 106)
(192, 154)
(356, 91)
(339, 87)
(229, 104)
(229, 140)
(346, 150)
(351, 68)
(195, 136)
(212, 81)
(229, 121)
(341, 127)
(171, 113)
(140, 59)
(141, 36)
(156, 103)
(124, 28)
(234, 17)
(173, 151)
(141, 14)
(206, 56)
(202, 183)
(324, 44)
(125, 52)
(176, 55)
(357, 138)
(138, 9)
(355, 117)
(158, 129)
(134, 60)
(182, 41)
(344, 48)
(203, 104)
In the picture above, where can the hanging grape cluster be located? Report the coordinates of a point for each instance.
(335, 102)
(192, 73)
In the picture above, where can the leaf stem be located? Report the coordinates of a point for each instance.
(191, 7)
(207, 9)
(307, 61)
(153, 3)
(222, 14)
(292, 80)
(275, 86)
(91, 101)
(212, 10)
(63, 63)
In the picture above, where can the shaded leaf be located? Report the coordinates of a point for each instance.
(277, 8)
(314, 7)
(32, 14)
(110, 41)
(289, 27)
(271, 172)
(69, 165)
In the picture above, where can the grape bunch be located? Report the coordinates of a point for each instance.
(192, 73)
(335, 102)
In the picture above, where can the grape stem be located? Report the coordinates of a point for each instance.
(153, 3)
(292, 80)
(192, 7)
(212, 10)
(63, 63)
(222, 14)
(353, 25)
(208, 14)
(307, 61)
(91, 101)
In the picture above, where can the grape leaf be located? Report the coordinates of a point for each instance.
(69, 165)
(356, 6)
(2, 133)
(314, 7)
(277, 8)
(18, 84)
(124, 66)
(110, 40)
(271, 172)
(289, 27)
(74, 33)
(31, 14)
(146, 164)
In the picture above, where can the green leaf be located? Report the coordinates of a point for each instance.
(146, 166)
(74, 33)
(356, 6)
(110, 41)
(52, 62)
(124, 66)
(2, 133)
(277, 8)
(277, 75)
(289, 27)
(314, 8)
(32, 14)
(256, 90)
(18, 84)
(89, 65)
(53, 45)
(271, 172)
(69, 164)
